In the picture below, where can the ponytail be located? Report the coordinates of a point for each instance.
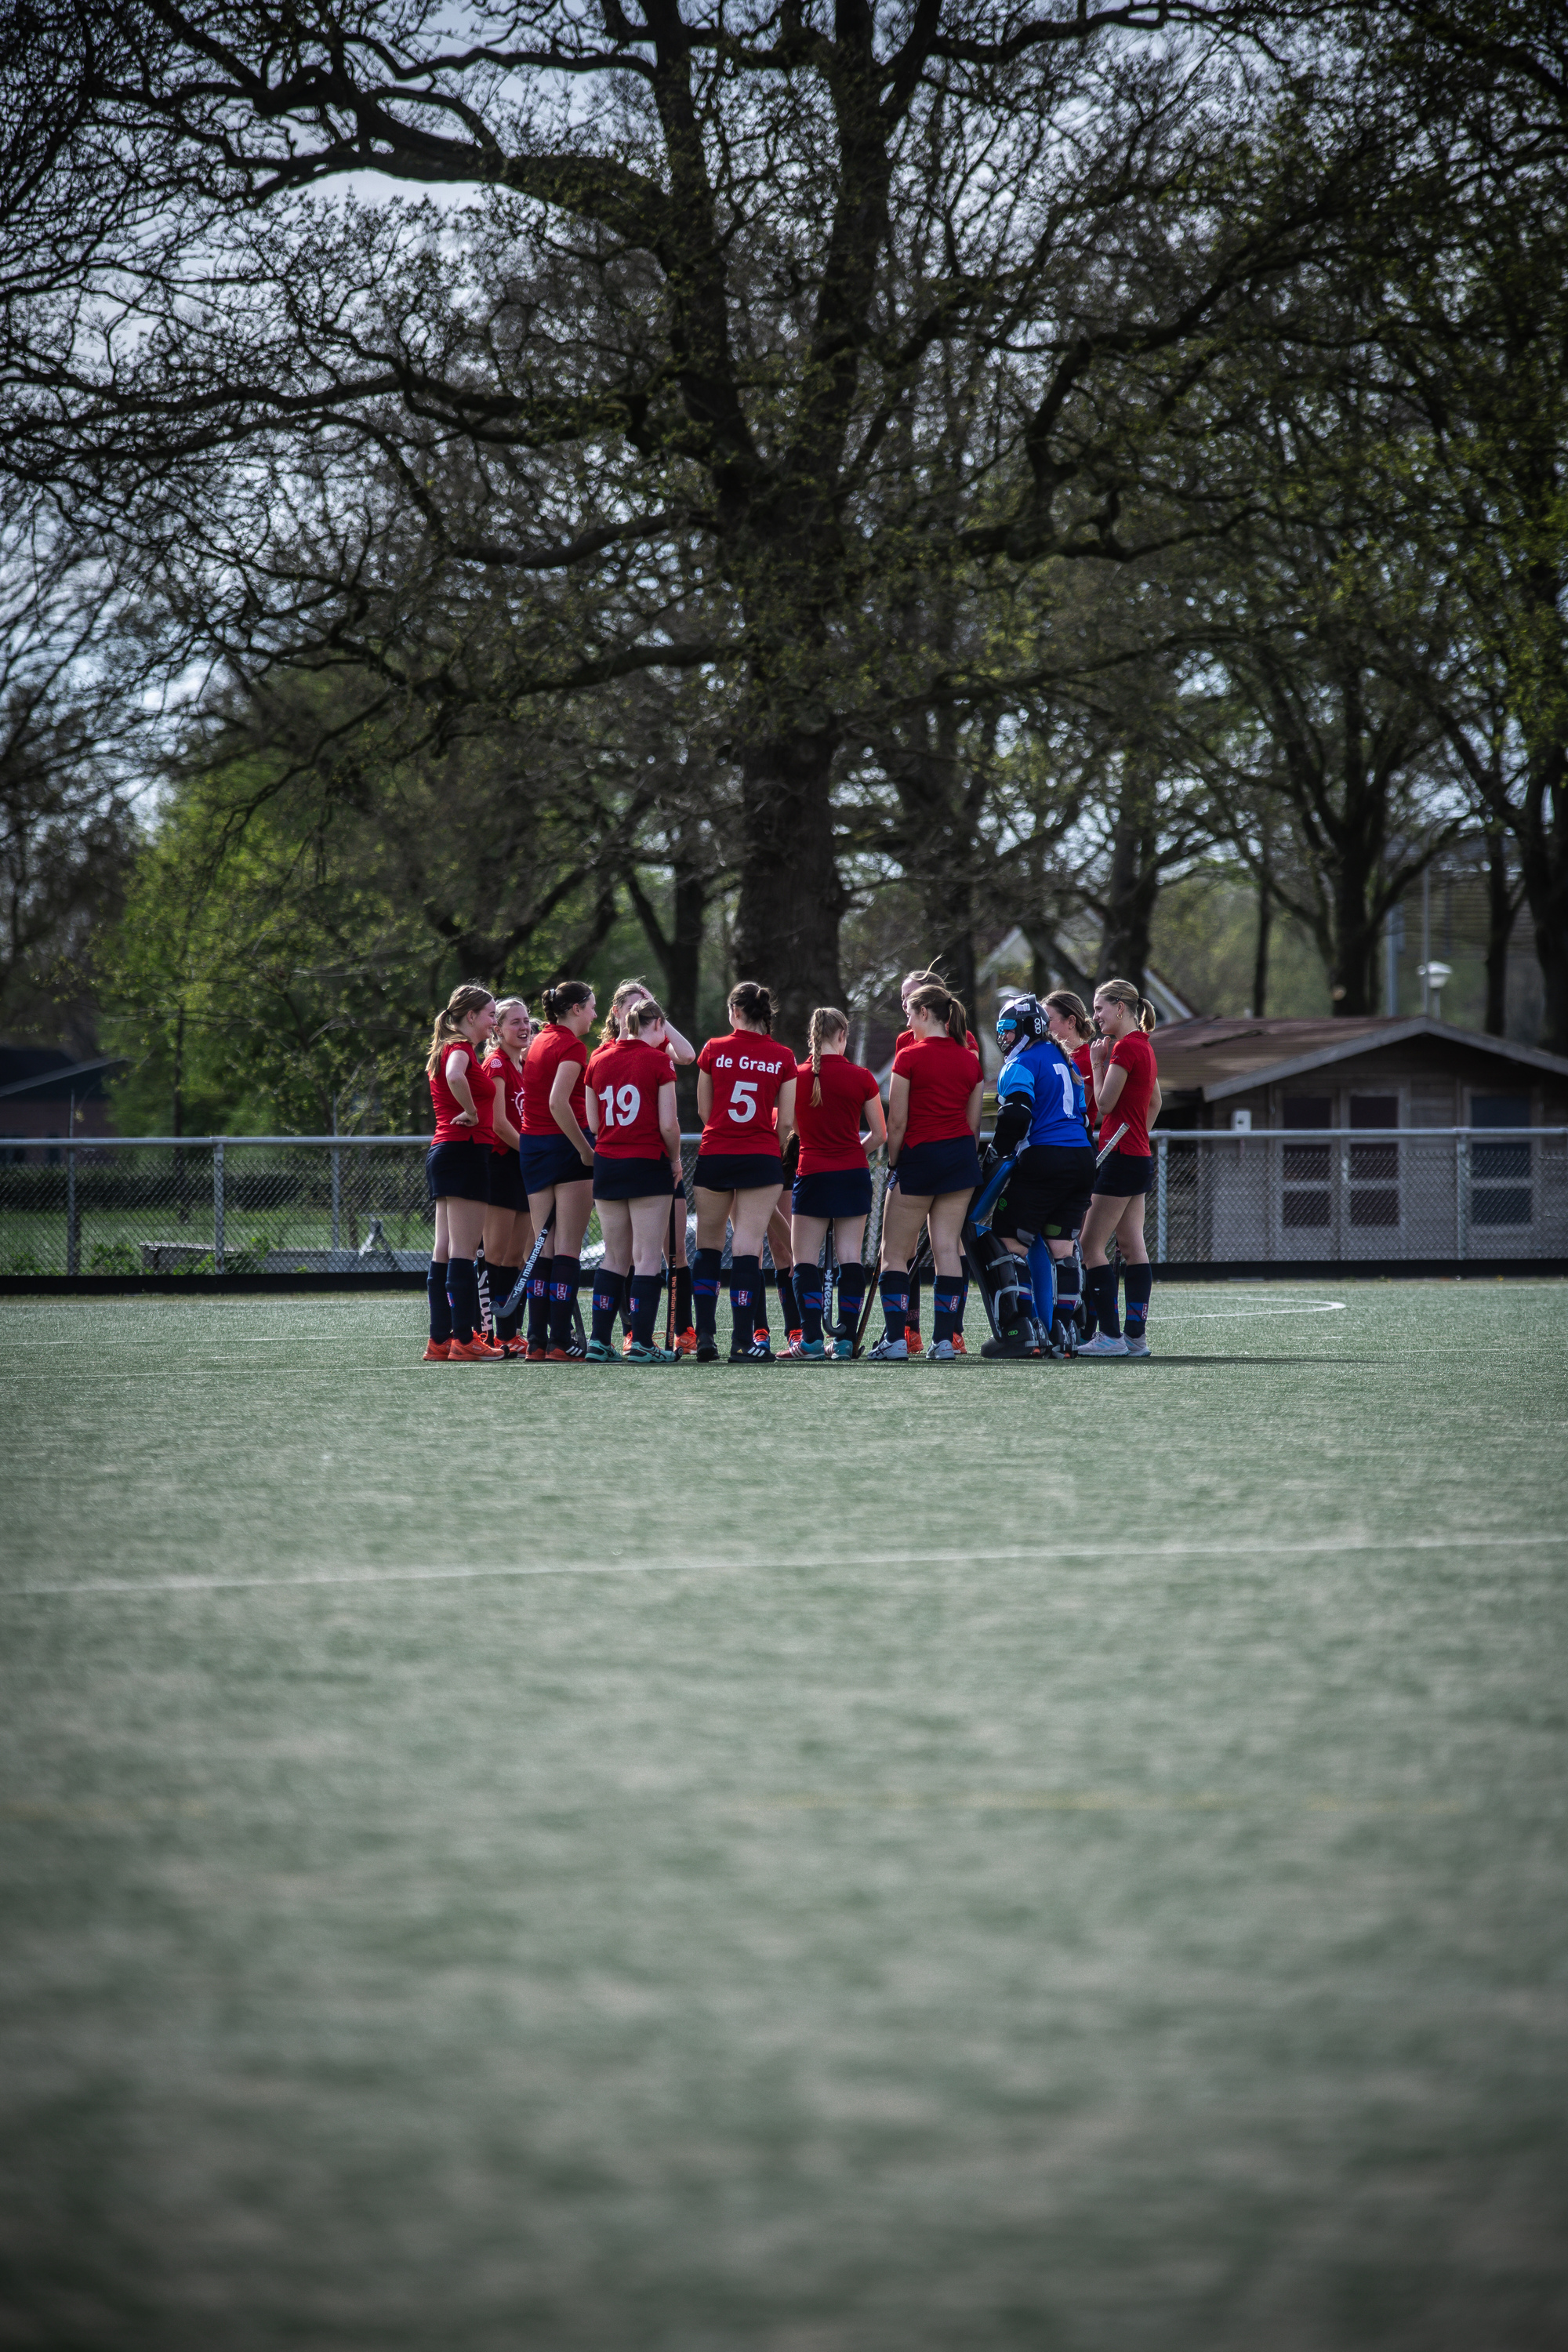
(1072, 1008)
(755, 1004)
(642, 1014)
(825, 1022)
(1122, 992)
(934, 998)
(565, 997)
(468, 996)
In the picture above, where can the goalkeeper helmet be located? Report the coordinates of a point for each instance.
(1021, 1022)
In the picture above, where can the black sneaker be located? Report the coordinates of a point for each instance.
(706, 1351)
(757, 1352)
(1014, 1345)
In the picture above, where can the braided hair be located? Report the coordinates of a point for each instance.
(825, 1022)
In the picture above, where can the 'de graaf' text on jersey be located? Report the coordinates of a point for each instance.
(747, 1071)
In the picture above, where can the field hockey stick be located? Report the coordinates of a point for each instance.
(519, 1290)
(669, 1296)
(1103, 1155)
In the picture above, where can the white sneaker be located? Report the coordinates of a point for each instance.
(942, 1351)
(1137, 1344)
(889, 1351)
(1103, 1345)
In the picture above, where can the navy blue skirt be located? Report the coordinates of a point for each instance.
(458, 1171)
(629, 1180)
(834, 1192)
(927, 1170)
(1126, 1174)
(738, 1171)
(552, 1159)
(504, 1176)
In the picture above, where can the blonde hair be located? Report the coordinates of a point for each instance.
(644, 1013)
(1121, 992)
(628, 994)
(505, 1005)
(468, 996)
(936, 998)
(1073, 1009)
(826, 1021)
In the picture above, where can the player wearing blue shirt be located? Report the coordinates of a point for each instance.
(1041, 1115)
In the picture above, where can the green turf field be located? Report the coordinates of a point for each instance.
(829, 1859)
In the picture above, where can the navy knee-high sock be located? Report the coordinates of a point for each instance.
(539, 1302)
(705, 1291)
(683, 1298)
(565, 1275)
(1140, 1282)
(789, 1300)
(911, 1302)
(852, 1281)
(643, 1290)
(609, 1289)
(946, 1292)
(895, 1289)
(746, 1312)
(808, 1297)
(1100, 1287)
(463, 1297)
(439, 1304)
(503, 1281)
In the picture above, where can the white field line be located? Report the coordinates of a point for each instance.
(1035, 1555)
(1237, 1314)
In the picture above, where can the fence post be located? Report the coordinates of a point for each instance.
(1461, 1193)
(337, 1198)
(73, 1219)
(218, 1208)
(1161, 1228)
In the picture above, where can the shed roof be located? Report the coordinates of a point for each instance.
(1220, 1057)
(48, 1073)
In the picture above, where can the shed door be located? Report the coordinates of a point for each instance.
(1501, 1189)
(1374, 1167)
(1305, 1199)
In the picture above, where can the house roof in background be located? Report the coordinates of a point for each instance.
(1220, 1056)
(48, 1073)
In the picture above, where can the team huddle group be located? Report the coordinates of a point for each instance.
(534, 1131)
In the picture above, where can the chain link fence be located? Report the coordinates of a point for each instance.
(342, 1204)
(235, 1205)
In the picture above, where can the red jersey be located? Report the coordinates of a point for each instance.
(508, 1075)
(1134, 1054)
(747, 1071)
(625, 1078)
(907, 1037)
(1085, 1068)
(830, 1135)
(481, 1085)
(554, 1044)
(943, 1076)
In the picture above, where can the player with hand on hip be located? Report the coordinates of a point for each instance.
(1127, 1083)
(833, 1181)
(457, 1172)
(933, 1126)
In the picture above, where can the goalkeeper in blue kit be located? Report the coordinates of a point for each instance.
(1041, 1117)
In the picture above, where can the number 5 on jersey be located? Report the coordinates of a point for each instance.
(743, 1100)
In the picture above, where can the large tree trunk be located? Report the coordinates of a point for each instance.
(791, 899)
(1542, 831)
(1501, 908)
(1134, 882)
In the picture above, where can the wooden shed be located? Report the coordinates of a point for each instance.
(1286, 1139)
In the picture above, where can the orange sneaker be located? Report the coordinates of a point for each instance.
(436, 1352)
(472, 1351)
(572, 1355)
(958, 1347)
(685, 1342)
(916, 1345)
(537, 1354)
(798, 1333)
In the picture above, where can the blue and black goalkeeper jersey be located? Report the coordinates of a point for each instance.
(1041, 1075)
